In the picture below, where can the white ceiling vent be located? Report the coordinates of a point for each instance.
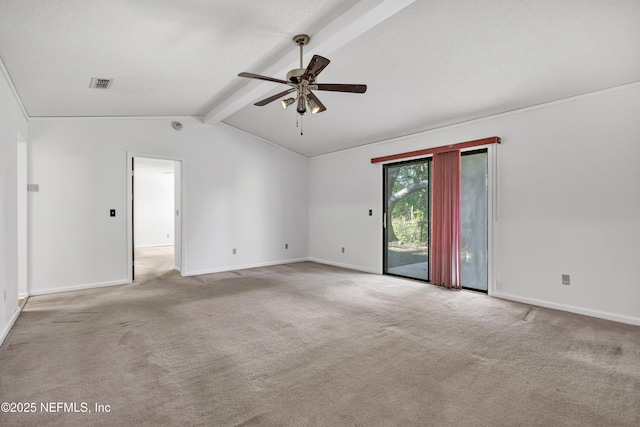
(97, 83)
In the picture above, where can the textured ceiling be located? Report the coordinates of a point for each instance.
(427, 63)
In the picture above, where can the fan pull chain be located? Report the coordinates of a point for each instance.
(299, 124)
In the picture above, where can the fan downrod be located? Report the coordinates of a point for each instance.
(294, 75)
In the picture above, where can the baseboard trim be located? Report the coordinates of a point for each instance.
(341, 265)
(7, 328)
(570, 308)
(79, 287)
(241, 267)
(23, 295)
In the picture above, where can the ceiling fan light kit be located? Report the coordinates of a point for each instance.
(303, 82)
(287, 102)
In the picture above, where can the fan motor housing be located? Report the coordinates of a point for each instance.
(294, 75)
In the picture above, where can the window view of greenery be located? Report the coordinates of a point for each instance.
(408, 219)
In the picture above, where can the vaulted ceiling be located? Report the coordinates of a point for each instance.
(427, 63)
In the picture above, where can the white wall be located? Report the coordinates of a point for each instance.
(154, 202)
(239, 193)
(568, 202)
(13, 129)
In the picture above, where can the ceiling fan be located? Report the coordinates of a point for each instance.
(303, 82)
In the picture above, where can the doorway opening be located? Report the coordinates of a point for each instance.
(155, 216)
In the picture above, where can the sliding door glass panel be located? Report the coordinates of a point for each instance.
(474, 220)
(407, 219)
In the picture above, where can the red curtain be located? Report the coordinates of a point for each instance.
(445, 233)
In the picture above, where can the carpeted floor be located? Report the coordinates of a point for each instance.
(153, 261)
(308, 344)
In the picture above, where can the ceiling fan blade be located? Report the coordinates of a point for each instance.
(319, 107)
(342, 87)
(259, 77)
(274, 97)
(316, 65)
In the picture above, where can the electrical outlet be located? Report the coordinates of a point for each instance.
(566, 279)
(343, 249)
(234, 251)
(286, 246)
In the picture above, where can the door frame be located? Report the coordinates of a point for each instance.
(180, 207)
(22, 252)
(492, 216)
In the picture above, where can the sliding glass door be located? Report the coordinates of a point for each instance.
(407, 194)
(406, 219)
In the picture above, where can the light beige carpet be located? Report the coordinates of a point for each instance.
(307, 344)
(153, 261)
